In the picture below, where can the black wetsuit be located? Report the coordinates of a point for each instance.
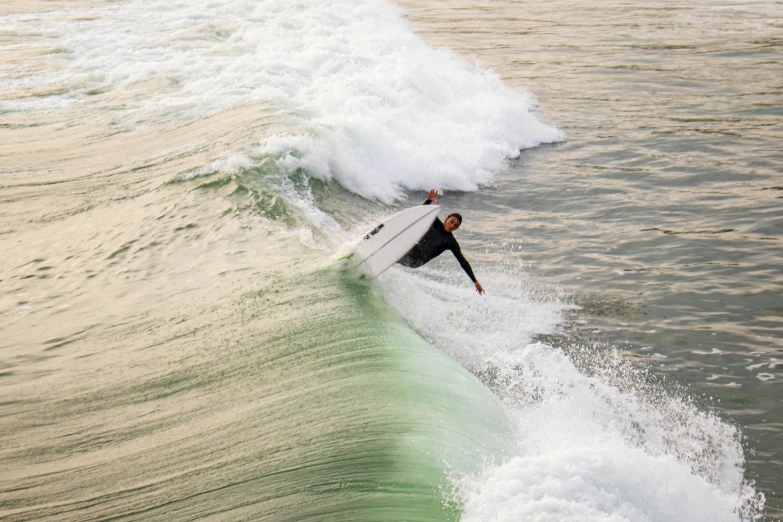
(434, 243)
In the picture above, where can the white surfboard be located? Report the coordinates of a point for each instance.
(392, 239)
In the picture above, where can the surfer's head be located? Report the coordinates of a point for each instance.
(452, 222)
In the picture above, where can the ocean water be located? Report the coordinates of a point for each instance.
(179, 340)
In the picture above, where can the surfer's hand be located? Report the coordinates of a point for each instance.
(432, 196)
(479, 288)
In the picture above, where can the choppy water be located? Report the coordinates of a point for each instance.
(178, 340)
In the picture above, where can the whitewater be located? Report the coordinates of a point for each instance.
(180, 339)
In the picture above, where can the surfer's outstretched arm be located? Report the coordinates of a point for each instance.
(466, 267)
(432, 197)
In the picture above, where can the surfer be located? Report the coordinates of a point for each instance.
(437, 240)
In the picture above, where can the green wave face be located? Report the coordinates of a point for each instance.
(381, 417)
(301, 397)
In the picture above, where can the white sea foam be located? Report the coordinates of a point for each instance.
(602, 447)
(445, 309)
(364, 99)
(596, 438)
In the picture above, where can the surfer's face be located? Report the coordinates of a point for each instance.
(451, 224)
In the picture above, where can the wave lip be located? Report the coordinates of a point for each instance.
(381, 111)
(389, 112)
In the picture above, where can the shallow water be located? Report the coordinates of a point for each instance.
(178, 340)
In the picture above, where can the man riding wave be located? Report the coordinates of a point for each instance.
(437, 240)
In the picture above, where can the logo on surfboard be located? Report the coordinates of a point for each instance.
(373, 232)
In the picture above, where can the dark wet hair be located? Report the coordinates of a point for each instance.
(456, 215)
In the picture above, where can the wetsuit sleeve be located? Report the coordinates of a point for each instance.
(462, 261)
(427, 202)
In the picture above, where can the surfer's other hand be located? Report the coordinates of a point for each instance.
(432, 195)
(479, 288)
